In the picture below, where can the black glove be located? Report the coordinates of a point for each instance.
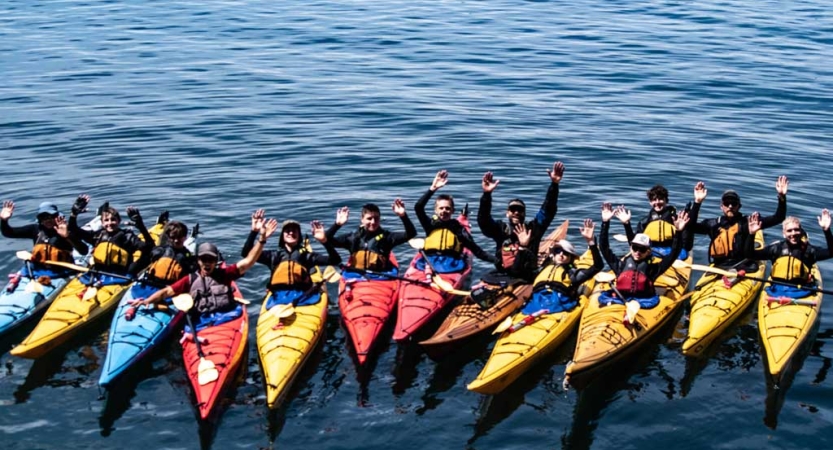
(133, 214)
(80, 205)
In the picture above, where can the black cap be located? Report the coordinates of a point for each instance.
(730, 195)
(516, 202)
(209, 249)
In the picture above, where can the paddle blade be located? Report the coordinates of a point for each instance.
(89, 293)
(726, 273)
(24, 255)
(330, 275)
(207, 372)
(631, 310)
(604, 277)
(620, 238)
(282, 311)
(183, 302)
(34, 287)
(417, 243)
(242, 301)
(680, 264)
(503, 326)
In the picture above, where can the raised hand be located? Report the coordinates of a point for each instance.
(440, 180)
(7, 211)
(61, 226)
(754, 222)
(268, 228)
(489, 182)
(782, 184)
(524, 234)
(134, 215)
(681, 221)
(342, 215)
(624, 215)
(318, 231)
(824, 219)
(607, 212)
(700, 192)
(80, 204)
(587, 231)
(258, 218)
(399, 207)
(557, 172)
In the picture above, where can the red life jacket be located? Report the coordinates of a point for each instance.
(633, 280)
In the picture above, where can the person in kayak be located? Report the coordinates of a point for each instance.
(113, 247)
(510, 265)
(50, 235)
(211, 285)
(446, 237)
(637, 271)
(556, 287)
(728, 232)
(658, 224)
(291, 263)
(793, 257)
(370, 246)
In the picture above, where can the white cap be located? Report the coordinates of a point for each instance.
(567, 247)
(641, 239)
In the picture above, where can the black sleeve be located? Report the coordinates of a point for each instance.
(583, 275)
(80, 233)
(779, 216)
(676, 248)
(825, 253)
(332, 257)
(604, 248)
(419, 209)
(479, 253)
(702, 227)
(26, 231)
(548, 210)
(249, 244)
(342, 241)
(629, 230)
(398, 238)
(485, 222)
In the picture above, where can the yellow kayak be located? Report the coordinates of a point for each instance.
(72, 312)
(785, 327)
(515, 352)
(714, 306)
(604, 337)
(284, 348)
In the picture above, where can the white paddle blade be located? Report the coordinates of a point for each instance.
(604, 277)
(631, 310)
(680, 264)
(207, 372)
(330, 275)
(24, 255)
(89, 293)
(34, 287)
(242, 301)
(183, 302)
(417, 243)
(503, 326)
(620, 238)
(282, 311)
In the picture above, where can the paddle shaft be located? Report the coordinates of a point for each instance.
(194, 334)
(763, 280)
(87, 269)
(386, 275)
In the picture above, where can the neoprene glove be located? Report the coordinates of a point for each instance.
(80, 205)
(133, 214)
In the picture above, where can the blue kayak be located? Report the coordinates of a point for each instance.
(19, 301)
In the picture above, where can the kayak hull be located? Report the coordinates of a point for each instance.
(22, 304)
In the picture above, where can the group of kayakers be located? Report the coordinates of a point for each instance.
(662, 236)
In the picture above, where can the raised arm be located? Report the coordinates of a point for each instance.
(332, 257)
(62, 228)
(485, 222)
(604, 239)
(397, 238)
(343, 240)
(266, 230)
(549, 208)
(677, 244)
(781, 186)
(582, 275)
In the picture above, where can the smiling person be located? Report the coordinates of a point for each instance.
(728, 233)
(658, 224)
(445, 237)
(637, 271)
(113, 246)
(168, 262)
(370, 245)
(793, 257)
(508, 249)
(51, 236)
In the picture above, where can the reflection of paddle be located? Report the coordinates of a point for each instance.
(285, 310)
(733, 273)
(206, 370)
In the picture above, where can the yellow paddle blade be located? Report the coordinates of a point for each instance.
(24, 255)
(620, 238)
(503, 326)
(604, 277)
(282, 311)
(183, 302)
(34, 287)
(89, 293)
(207, 372)
(330, 275)
(631, 310)
(417, 243)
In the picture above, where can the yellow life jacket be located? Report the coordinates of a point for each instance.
(289, 273)
(554, 273)
(165, 268)
(443, 240)
(660, 231)
(723, 244)
(109, 254)
(367, 260)
(790, 268)
(45, 252)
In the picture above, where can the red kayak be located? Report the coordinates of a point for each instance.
(224, 345)
(419, 303)
(366, 304)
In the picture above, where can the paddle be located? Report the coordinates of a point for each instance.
(507, 324)
(26, 256)
(284, 310)
(446, 286)
(631, 308)
(206, 370)
(438, 281)
(733, 273)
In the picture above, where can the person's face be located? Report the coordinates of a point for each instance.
(640, 252)
(176, 241)
(792, 232)
(561, 257)
(370, 221)
(516, 214)
(657, 203)
(109, 222)
(443, 209)
(47, 220)
(291, 235)
(730, 207)
(207, 264)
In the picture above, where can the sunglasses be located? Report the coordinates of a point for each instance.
(517, 209)
(560, 251)
(730, 203)
(208, 259)
(639, 248)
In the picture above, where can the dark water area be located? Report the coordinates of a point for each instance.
(213, 109)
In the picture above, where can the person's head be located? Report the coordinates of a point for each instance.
(658, 197)
(371, 217)
(110, 219)
(563, 252)
(444, 207)
(793, 233)
(47, 213)
(516, 211)
(290, 234)
(640, 247)
(207, 257)
(176, 233)
(730, 204)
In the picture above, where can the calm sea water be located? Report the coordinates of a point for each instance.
(212, 109)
